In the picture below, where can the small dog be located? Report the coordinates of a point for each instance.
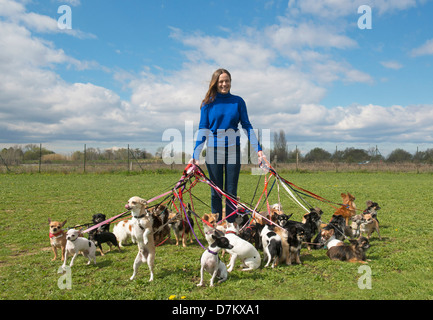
(57, 237)
(341, 231)
(243, 250)
(348, 209)
(369, 225)
(328, 239)
(143, 232)
(372, 208)
(356, 225)
(272, 245)
(251, 234)
(160, 225)
(103, 237)
(353, 252)
(123, 232)
(76, 244)
(295, 237)
(283, 220)
(181, 228)
(98, 218)
(211, 263)
(209, 225)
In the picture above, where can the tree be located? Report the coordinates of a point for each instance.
(399, 155)
(352, 155)
(317, 154)
(34, 151)
(424, 156)
(280, 147)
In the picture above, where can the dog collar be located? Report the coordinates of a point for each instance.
(230, 232)
(56, 235)
(214, 253)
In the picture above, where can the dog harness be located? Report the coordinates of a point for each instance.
(56, 235)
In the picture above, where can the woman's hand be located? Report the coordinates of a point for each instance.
(193, 161)
(261, 156)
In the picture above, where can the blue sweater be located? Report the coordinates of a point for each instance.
(219, 123)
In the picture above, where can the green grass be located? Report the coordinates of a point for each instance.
(401, 263)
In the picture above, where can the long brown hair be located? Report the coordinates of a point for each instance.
(212, 92)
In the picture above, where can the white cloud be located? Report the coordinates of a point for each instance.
(391, 65)
(425, 49)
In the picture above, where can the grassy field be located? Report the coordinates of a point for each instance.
(401, 263)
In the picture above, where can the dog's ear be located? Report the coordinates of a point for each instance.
(63, 223)
(353, 242)
(369, 203)
(49, 220)
(143, 202)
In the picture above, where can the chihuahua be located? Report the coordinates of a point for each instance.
(76, 244)
(353, 252)
(211, 262)
(57, 237)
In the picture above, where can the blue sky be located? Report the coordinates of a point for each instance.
(129, 71)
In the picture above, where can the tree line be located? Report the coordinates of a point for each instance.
(281, 153)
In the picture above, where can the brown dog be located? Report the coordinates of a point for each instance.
(348, 209)
(57, 237)
(353, 252)
(369, 225)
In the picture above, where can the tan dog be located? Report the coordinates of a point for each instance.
(143, 232)
(209, 225)
(369, 225)
(181, 227)
(57, 237)
(348, 209)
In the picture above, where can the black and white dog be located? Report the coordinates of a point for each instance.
(272, 245)
(211, 263)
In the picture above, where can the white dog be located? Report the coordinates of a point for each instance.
(243, 250)
(76, 244)
(272, 245)
(123, 232)
(211, 262)
(142, 230)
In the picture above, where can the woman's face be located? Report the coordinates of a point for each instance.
(224, 83)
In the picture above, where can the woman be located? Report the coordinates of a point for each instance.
(220, 114)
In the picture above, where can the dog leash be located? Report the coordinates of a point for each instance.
(106, 221)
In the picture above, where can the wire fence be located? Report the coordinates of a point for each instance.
(93, 160)
(141, 166)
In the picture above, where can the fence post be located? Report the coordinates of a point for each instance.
(84, 164)
(128, 160)
(40, 157)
